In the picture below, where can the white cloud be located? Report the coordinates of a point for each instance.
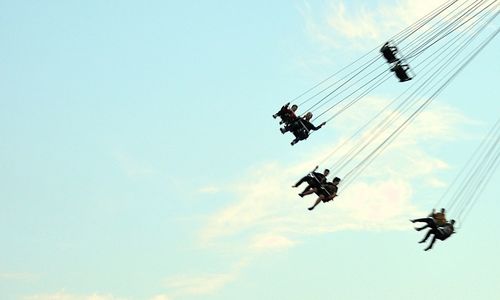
(436, 182)
(17, 276)
(199, 285)
(203, 284)
(270, 214)
(267, 216)
(160, 297)
(266, 242)
(62, 295)
(209, 189)
(359, 25)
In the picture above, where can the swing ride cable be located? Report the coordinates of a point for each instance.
(439, 22)
(452, 30)
(487, 178)
(467, 164)
(418, 24)
(459, 17)
(479, 184)
(463, 194)
(362, 128)
(418, 43)
(463, 34)
(356, 90)
(364, 93)
(357, 147)
(348, 105)
(445, 6)
(388, 120)
(363, 164)
(442, 24)
(376, 154)
(455, 39)
(330, 94)
(363, 67)
(479, 49)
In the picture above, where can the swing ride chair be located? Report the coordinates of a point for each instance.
(398, 64)
(403, 71)
(389, 51)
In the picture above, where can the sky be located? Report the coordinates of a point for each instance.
(139, 159)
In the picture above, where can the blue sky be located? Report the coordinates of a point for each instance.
(139, 159)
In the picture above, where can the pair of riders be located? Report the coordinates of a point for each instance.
(299, 126)
(318, 184)
(439, 227)
(389, 53)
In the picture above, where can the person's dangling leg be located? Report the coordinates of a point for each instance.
(422, 228)
(316, 203)
(426, 236)
(307, 189)
(308, 192)
(431, 244)
(301, 181)
(429, 221)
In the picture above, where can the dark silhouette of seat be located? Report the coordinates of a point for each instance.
(401, 71)
(389, 53)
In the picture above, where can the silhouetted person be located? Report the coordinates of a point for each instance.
(389, 53)
(440, 233)
(400, 71)
(287, 114)
(301, 127)
(438, 217)
(326, 192)
(313, 179)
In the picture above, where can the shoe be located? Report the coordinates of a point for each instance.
(293, 142)
(282, 130)
(274, 116)
(421, 242)
(310, 208)
(301, 195)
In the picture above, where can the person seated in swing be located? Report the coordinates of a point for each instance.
(440, 233)
(326, 192)
(301, 127)
(400, 71)
(313, 179)
(286, 113)
(438, 217)
(389, 53)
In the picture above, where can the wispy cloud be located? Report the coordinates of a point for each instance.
(209, 189)
(342, 25)
(63, 295)
(17, 277)
(267, 216)
(264, 212)
(188, 285)
(199, 285)
(160, 297)
(267, 242)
